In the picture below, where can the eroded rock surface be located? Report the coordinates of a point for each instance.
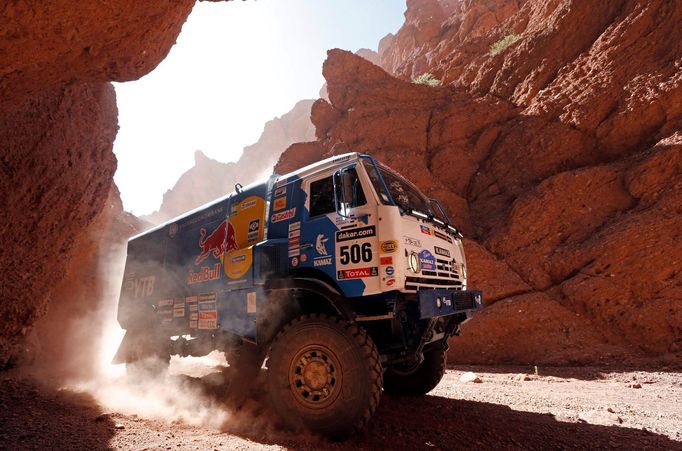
(559, 155)
(57, 126)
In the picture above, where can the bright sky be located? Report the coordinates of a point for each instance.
(235, 66)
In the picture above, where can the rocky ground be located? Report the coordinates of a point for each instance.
(510, 408)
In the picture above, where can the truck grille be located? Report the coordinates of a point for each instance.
(445, 276)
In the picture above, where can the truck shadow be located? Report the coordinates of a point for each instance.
(33, 416)
(587, 373)
(430, 422)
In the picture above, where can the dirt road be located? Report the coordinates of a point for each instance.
(511, 408)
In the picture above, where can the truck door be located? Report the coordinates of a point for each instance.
(343, 248)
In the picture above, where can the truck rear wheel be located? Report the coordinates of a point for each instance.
(324, 375)
(417, 380)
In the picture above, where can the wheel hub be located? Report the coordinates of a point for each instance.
(315, 377)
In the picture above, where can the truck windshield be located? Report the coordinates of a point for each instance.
(404, 193)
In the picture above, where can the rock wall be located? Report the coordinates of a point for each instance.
(559, 156)
(210, 179)
(57, 126)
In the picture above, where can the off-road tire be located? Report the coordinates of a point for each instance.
(324, 376)
(420, 380)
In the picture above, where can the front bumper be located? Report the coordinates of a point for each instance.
(437, 302)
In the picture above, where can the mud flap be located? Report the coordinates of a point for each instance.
(123, 349)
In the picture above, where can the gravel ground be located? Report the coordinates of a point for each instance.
(510, 408)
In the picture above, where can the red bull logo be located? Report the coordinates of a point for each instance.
(222, 239)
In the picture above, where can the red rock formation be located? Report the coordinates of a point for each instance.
(57, 126)
(63, 41)
(575, 205)
(210, 179)
(67, 340)
(57, 165)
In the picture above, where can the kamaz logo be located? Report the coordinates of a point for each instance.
(324, 261)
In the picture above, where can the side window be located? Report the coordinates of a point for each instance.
(357, 197)
(322, 197)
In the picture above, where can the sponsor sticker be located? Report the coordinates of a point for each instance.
(294, 261)
(280, 191)
(294, 252)
(425, 230)
(386, 261)
(204, 274)
(320, 244)
(193, 316)
(251, 302)
(283, 215)
(254, 225)
(357, 273)
(390, 270)
(238, 258)
(295, 226)
(427, 260)
(179, 308)
(191, 302)
(322, 261)
(356, 234)
(441, 251)
(412, 241)
(193, 324)
(207, 316)
(304, 258)
(207, 324)
(247, 204)
(390, 282)
(389, 247)
(280, 204)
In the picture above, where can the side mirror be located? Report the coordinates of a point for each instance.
(343, 191)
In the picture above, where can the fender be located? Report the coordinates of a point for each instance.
(320, 287)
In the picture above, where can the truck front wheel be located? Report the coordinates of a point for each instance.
(324, 375)
(417, 380)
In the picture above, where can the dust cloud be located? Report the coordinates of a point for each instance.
(77, 339)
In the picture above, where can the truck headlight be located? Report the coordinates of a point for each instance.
(413, 261)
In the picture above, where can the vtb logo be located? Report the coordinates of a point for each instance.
(222, 239)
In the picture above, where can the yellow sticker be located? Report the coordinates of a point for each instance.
(389, 247)
(247, 224)
(280, 203)
(237, 263)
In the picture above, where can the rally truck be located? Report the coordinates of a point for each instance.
(342, 279)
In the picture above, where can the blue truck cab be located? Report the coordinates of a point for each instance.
(342, 276)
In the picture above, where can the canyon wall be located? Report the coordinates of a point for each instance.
(58, 120)
(555, 139)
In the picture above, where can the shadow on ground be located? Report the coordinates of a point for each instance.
(587, 373)
(432, 422)
(33, 416)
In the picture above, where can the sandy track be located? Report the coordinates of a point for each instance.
(566, 408)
